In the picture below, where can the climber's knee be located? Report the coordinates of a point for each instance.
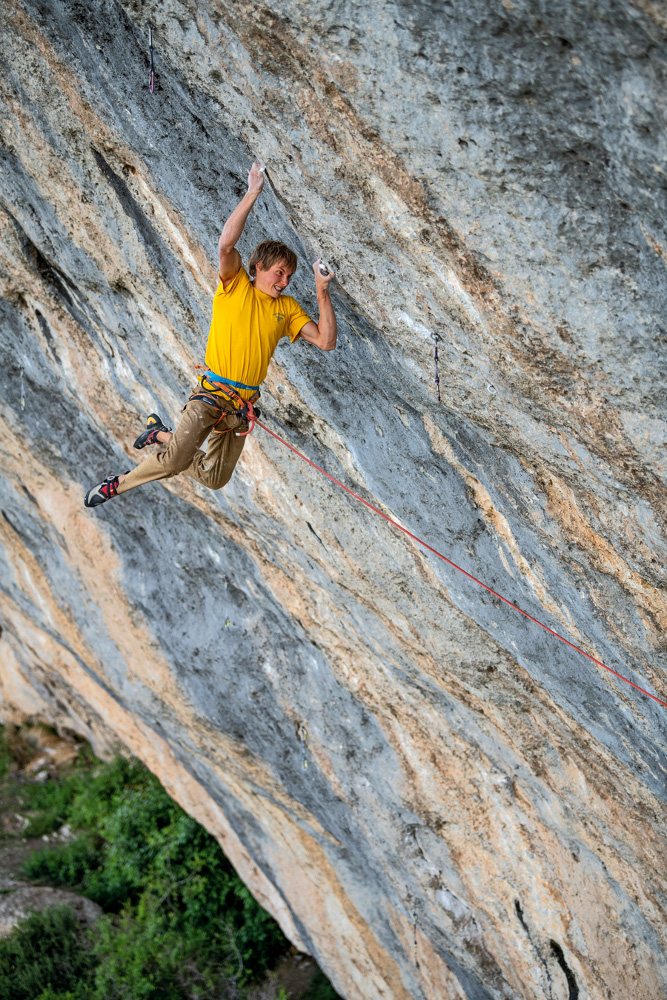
(220, 481)
(212, 479)
(173, 460)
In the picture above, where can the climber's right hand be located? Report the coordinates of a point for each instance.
(256, 178)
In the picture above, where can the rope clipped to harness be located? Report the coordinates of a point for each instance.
(248, 413)
(213, 394)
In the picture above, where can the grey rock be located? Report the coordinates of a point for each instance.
(17, 903)
(483, 809)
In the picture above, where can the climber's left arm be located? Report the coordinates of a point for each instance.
(323, 333)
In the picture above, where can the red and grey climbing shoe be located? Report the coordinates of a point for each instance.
(153, 427)
(102, 492)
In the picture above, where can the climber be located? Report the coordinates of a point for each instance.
(250, 316)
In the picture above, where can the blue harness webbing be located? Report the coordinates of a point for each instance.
(212, 377)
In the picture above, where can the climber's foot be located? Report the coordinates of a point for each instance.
(154, 426)
(104, 491)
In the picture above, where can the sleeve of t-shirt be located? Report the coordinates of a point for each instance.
(239, 283)
(297, 320)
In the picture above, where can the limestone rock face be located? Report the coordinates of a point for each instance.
(435, 797)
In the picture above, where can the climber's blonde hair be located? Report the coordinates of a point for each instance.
(268, 253)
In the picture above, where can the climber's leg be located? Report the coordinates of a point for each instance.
(182, 453)
(184, 447)
(214, 468)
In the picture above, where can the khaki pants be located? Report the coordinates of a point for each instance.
(212, 467)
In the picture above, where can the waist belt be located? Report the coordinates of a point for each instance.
(226, 393)
(211, 377)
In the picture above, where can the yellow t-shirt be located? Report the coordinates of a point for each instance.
(246, 327)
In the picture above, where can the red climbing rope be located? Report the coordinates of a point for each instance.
(459, 568)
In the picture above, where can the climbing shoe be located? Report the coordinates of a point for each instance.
(102, 492)
(153, 427)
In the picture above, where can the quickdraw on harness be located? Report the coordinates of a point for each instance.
(215, 391)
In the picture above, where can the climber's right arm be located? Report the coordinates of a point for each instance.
(228, 255)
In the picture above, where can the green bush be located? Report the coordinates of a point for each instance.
(5, 753)
(178, 924)
(320, 989)
(145, 958)
(79, 797)
(49, 994)
(47, 949)
(51, 801)
(185, 924)
(71, 865)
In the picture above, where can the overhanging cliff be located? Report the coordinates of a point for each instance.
(482, 813)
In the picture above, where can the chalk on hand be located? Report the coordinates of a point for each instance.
(323, 267)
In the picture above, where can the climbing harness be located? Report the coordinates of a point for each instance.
(212, 377)
(436, 338)
(454, 565)
(215, 391)
(151, 76)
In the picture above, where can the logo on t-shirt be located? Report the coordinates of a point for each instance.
(279, 316)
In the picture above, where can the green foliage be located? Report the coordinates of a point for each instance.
(178, 924)
(46, 949)
(143, 956)
(185, 924)
(320, 989)
(70, 865)
(75, 798)
(5, 753)
(50, 994)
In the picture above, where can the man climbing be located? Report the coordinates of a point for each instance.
(249, 318)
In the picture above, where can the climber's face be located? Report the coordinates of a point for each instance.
(274, 280)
